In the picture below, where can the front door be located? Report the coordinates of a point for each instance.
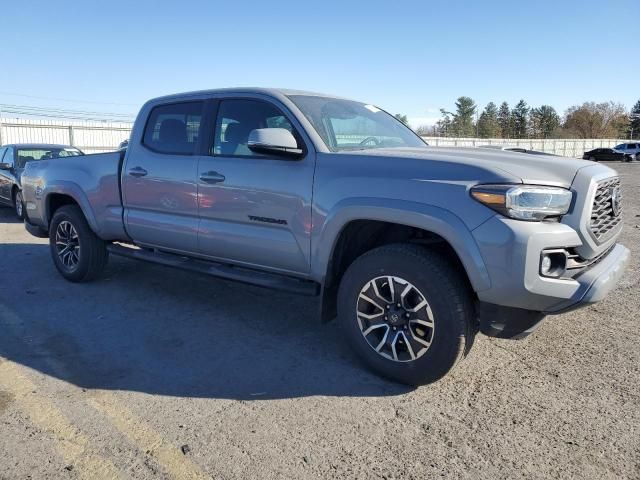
(6, 176)
(159, 179)
(254, 209)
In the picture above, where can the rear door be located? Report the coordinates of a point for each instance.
(159, 178)
(255, 209)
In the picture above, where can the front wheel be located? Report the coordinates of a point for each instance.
(18, 205)
(78, 254)
(407, 313)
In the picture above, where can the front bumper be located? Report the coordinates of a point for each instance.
(597, 281)
(511, 253)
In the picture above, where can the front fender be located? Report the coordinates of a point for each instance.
(413, 214)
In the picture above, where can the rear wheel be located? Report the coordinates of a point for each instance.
(18, 204)
(407, 313)
(78, 254)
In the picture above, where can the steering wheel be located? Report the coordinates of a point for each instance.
(370, 139)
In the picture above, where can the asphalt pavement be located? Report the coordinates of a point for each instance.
(152, 372)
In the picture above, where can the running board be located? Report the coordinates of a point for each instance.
(220, 270)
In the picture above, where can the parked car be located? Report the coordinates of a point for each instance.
(606, 155)
(631, 148)
(413, 248)
(12, 161)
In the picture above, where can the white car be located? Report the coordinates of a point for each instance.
(632, 148)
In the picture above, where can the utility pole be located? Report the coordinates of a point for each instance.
(633, 116)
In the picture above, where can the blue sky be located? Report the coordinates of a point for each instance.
(410, 57)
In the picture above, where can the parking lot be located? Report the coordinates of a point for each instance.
(157, 373)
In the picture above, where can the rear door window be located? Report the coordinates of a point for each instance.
(174, 128)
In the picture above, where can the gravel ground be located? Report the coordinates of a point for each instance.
(158, 373)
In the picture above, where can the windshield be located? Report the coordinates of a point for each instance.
(348, 125)
(42, 153)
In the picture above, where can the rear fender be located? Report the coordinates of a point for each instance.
(73, 191)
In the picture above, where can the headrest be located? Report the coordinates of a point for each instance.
(172, 131)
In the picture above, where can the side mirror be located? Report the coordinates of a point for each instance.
(275, 141)
(5, 166)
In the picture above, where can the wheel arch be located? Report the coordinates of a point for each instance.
(358, 226)
(69, 194)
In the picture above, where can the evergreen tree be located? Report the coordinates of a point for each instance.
(444, 126)
(504, 121)
(488, 126)
(402, 118)
(463, 118)
(519, 116)
(634, 123)
(544, 121)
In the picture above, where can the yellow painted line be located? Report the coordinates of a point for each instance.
(72, 445)
(168, 456)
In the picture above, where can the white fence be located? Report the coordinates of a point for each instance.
(93, 137)
(88, 136)
(565, 147)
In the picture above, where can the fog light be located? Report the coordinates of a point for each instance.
(553, 263)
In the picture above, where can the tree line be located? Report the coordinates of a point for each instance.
(589, 120)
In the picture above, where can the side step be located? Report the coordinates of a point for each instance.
(221, 270)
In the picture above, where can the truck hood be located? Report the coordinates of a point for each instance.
(530, 169)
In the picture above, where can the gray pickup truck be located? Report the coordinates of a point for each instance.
(415, 249)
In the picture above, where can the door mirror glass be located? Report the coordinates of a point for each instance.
(5, 166)
(275, 141)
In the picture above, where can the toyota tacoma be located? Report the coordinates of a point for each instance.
(414, 249)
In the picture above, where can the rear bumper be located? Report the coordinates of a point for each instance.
(35, 230)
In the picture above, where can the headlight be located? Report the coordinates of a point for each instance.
(524, 202)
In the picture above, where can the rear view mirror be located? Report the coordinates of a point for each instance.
(275, 141)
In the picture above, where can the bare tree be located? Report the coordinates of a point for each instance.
(595, 120)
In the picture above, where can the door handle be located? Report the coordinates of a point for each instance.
(137, 172)
(212, 177)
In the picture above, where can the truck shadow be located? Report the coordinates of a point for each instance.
(161, 331)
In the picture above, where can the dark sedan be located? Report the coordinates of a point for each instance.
(13, 158)
(606, 155)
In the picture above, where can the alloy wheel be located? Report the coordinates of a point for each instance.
(67, 245)
(19, 204)
(395, 318)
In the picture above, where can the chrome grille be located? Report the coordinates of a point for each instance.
(604, 216)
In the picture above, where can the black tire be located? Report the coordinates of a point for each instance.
(18, 204)
(593, 159)
(447, 293)
(92, 254)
